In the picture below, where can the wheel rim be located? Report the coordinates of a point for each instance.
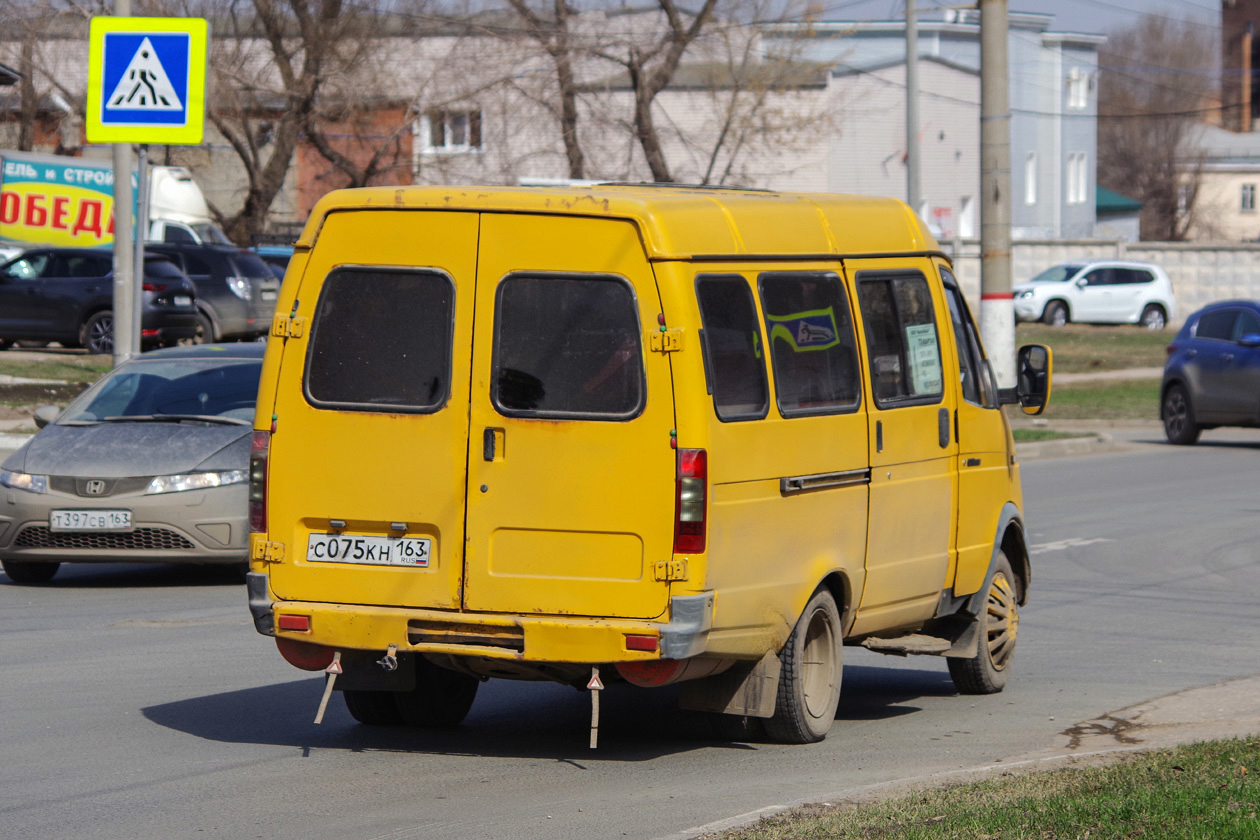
(1002, 623)
(1058, 316)
(1175, 414)
(101, 335)
(819, 662)
(1154, 320)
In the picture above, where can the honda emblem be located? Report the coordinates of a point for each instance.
(95, 487)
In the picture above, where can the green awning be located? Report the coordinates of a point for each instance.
(1108, 201)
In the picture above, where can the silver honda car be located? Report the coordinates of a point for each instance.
(148, 465)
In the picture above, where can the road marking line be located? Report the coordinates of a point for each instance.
(1063, 545)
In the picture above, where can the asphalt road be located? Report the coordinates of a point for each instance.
(139, 703)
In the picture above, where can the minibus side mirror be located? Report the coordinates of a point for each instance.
(1033, 364)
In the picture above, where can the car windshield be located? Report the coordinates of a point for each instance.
(159, 390)
(1057, 274)
(211, 234)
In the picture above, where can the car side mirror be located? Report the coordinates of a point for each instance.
(45, 414)
(1033, 365)
(1082, 283)
(1250, 340)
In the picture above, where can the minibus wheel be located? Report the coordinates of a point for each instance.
(373, 708)
(986, 672)
(442, 697)
(809, 683)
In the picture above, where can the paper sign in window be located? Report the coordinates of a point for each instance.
(924, 354)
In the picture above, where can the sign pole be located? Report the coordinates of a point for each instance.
(124, 271)
(142, 235)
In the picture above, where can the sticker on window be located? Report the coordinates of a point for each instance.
(925, 359)
(805, 331)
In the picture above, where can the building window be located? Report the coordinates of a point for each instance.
(1077, 89)
(1030, 178)
(967, 218)
(1077, 178)
(451, 130)
(1248, 198)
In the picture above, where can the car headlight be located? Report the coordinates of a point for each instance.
(195, 481)
(24, 481)
(241, 287)
(1024, 295)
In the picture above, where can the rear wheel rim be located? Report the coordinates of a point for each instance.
(101, 334)
(1175, 414)
(1153, 319)
(1002, 621)
(819, 662)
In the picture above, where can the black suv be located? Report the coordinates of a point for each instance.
(236, 292)
(67, 295)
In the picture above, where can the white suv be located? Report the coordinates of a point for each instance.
(1098, 292)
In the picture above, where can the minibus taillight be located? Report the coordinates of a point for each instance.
(690, 501)
(259, 444)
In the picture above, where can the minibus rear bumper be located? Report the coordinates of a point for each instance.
(522, 638)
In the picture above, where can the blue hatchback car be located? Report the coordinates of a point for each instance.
(1212, 376)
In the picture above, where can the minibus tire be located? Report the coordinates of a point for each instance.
(987, 671)
(373, 708)
(442, 697)
(809, 683)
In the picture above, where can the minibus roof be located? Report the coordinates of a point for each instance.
(677, 222)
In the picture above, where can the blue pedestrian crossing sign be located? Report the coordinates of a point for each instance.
(147, 80)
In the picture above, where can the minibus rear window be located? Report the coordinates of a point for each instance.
(568, 347)
(732, 346)
(381, 341)
(812, 345)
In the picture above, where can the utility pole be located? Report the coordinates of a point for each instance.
(997, 309)
(913, 189)
(125, 292)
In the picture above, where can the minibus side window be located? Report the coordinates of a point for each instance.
(568, 347)
(732, 347)
(381, 341)
(812, 346)
(976, 387)
(901, 337)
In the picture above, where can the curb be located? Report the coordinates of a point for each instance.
(11, 441)
(1093, 444)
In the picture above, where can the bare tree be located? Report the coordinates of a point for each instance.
(555, 37)
(39, 42)
(262, 107)
(610, 69)
(1148, 116)
(651, 67)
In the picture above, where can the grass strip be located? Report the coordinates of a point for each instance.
(1206, 791)
(1034, 435)
(62, 367)
(1111, 399)
(1082, 348)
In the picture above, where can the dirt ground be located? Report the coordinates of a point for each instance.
(18, 401)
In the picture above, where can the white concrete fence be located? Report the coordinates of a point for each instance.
(1200, 272)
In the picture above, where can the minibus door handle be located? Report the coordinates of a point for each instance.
(487, 444)
(942, 427)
